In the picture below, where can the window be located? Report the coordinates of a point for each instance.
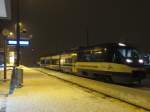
(47, 61)
(55, 61)
(95, 55)
(129, 53)
(42, 61)
(122, 54)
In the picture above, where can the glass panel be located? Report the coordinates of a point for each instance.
(96, 55)
(129, 53)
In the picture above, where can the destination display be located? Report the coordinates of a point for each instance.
(21, 42)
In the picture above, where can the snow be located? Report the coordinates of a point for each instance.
(2, 103)
(42, 93)
(131, 95)
(4, 89)
(4, 86)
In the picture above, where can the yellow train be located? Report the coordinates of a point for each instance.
(115, 62)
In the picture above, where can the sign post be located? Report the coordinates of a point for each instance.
(5, 13)
(5, 33)
(5, 63)
(18, 33)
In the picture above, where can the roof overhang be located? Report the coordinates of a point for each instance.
(5, 9)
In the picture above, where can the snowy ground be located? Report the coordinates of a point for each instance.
(42, 93)
(131, 95)
(4, 89)
(3, 100)
(4, 86)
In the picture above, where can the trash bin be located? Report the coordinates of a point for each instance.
(16, 79)
(19, 76)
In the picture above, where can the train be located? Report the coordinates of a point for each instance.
(115, 62)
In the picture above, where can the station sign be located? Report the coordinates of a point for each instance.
(23, 43)
(5, 9)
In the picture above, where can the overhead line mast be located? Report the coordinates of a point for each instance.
(18, 33)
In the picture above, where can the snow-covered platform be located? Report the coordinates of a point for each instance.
(132, 95)
(42, 93)
(4, 89)
(4, 85)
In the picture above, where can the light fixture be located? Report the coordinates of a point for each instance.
(11, 33)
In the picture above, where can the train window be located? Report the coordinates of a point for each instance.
(129, 53)
(96, 55)
(101, 55)
(122, 54)
(55, 62)
(118, 58)
(47, 61)
(67, 61)
(42, 61)
(84, 56)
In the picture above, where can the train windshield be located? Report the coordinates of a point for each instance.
(129, 53)
(126, 55)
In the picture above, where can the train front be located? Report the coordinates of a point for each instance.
(134, 65)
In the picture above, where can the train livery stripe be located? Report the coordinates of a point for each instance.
(104, 66)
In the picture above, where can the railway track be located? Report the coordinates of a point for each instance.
(140, 108)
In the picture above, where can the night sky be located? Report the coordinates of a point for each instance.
(58, 25)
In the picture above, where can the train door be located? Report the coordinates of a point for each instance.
(74, 60)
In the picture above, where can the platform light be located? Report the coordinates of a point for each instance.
(12, 58)
(122, 44)
(11, 33)
(129, 61)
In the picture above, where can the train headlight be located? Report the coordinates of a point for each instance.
(141, 61)
(129, 61)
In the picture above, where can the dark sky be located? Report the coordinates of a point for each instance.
(61, 24)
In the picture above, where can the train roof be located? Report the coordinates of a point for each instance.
(105, 45)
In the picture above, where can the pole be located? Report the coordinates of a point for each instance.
(85, 33)
(18, 33)
(87, 37)
(5, 63)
